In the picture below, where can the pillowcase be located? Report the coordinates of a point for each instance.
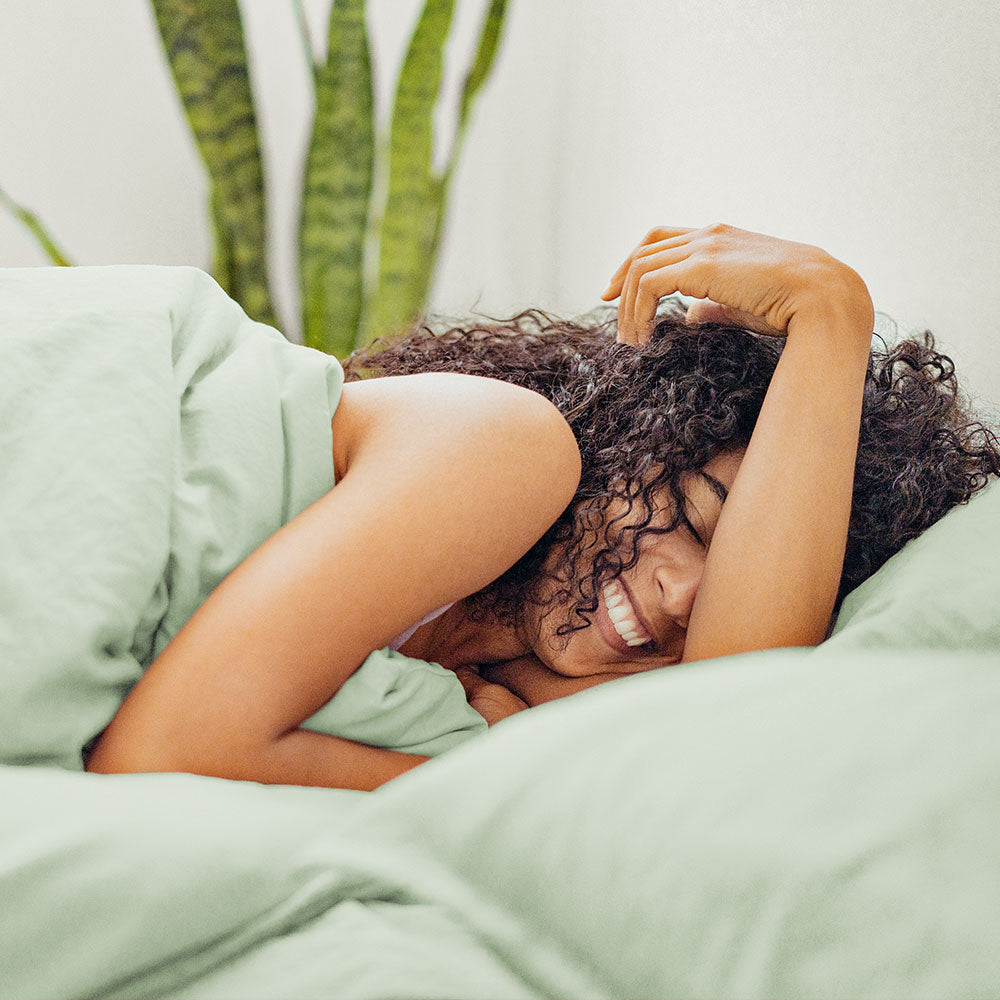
(790, 823)
(940, 591)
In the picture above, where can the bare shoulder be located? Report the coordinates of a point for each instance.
(520, 427)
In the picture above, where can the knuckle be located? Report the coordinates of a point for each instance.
(718, 228)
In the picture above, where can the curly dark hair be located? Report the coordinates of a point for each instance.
(646, 418)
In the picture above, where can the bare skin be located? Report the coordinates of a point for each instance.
(763, 570)
(263, 653)
(260, 656)
(660, 588)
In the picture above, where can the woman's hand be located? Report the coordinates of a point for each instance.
(492, 701)
(749, 279)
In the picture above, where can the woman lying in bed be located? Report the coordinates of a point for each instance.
(688, 496)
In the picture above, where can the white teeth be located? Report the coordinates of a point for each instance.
(622, 615)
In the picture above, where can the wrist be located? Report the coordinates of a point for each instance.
(835, 299)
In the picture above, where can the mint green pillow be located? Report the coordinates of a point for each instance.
(790, 823)
(762, 826)
(941, 591)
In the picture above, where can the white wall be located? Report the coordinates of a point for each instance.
(868, 127)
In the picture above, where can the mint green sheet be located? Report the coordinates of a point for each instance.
(152, 437)
(796, 823)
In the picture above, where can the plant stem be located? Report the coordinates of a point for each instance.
(300, 18)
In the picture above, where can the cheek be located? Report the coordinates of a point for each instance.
(580, 654)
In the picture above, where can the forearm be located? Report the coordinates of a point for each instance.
(300, 757)
(534, 683)
(774, 565)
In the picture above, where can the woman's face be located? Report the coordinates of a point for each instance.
(642, 616)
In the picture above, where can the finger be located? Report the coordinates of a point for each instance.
(640, 310)
(649, 244)
(668, 237)
(644, 287)
(621, 335)
(494, 702)
(469, 680)
(649, 290)
(667, 244)
(626, 333)
(625, 307)
(617, 280)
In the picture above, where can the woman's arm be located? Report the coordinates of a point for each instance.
(444, 481)
(532, 683)
(773, 568)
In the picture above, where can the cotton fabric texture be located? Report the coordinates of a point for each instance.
(152, 437)
(807, 824)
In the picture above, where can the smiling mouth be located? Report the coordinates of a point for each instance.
(648, 649)
(623, 615)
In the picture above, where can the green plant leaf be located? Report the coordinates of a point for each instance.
(34, 225)
(204, 44)
(489, 43)
(409, 221)
(337, 188)
(415, 206)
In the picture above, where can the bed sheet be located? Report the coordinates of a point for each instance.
(154, 436)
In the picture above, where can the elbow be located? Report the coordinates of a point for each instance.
(113, 754)
(117, 752)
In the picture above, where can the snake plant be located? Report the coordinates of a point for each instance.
(365, 270)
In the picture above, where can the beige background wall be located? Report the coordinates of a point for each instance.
(868, 127)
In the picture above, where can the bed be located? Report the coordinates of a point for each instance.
(794, 823)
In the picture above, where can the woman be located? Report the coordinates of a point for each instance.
(559, 546)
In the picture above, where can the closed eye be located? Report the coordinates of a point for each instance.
(694, 531)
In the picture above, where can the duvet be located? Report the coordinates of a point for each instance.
(794, 823)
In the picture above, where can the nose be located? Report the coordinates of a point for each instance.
(678, 585)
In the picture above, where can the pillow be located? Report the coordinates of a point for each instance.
(941, 591)
(760, 826)
(790, 823)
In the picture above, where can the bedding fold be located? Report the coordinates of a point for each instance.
(152, 437)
